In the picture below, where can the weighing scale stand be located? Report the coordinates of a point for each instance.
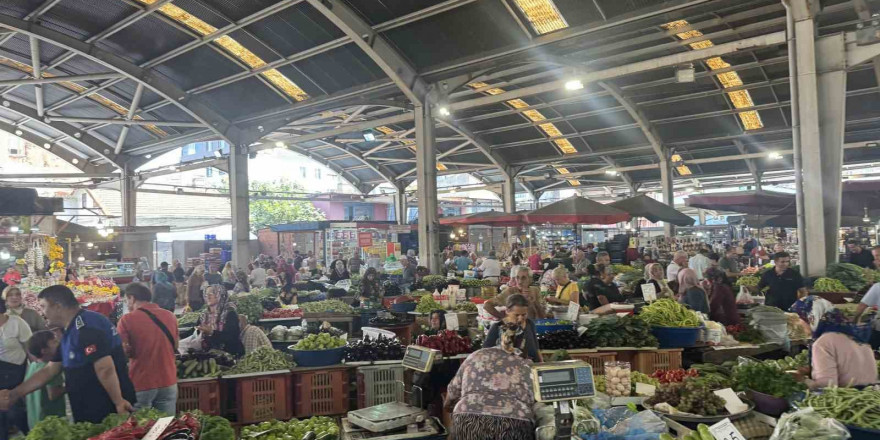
(564, 419)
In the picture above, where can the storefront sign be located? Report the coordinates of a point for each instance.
(400, 229)
(389, 248)
(365, 239)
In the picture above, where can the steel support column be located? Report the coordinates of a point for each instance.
(426, 176)
(128, 191)
(238, 192)
(667, 190)
(508, 199)
(400, 204)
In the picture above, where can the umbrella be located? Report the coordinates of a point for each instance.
(493, 218)
(644, 206)
(790, 221)
(746, 202)
(576, 210)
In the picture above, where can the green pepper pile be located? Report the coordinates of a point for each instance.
(669, 313)
(261, 360)
(847, 405)
(324, 428)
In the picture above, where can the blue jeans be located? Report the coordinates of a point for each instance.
(163, 399)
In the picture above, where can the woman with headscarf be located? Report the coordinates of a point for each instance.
(164, 294)
(272, 279)
(371, 288)
(339, 272)
(722, 302)
(241, 283)
(654, 275)
(194, 288)
(15, 307)
(690, 293)
(219, 322)
(491, 396)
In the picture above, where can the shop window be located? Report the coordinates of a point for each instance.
(302, 171)
(318, 173)
(209, 172)
(191, 149)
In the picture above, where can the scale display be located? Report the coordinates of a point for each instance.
(558, 381)
(419, 358)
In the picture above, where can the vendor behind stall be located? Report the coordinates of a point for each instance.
(566, 289)
(783, 282)
(371, 287)
(654, 275)
(517, 314)
(690, 293)
(524, 288)
(601, 289)
(339, 272)
(491, 268)
(491, 396)
(722, 302)
(219, 322)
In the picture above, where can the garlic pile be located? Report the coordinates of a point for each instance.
(617, 379)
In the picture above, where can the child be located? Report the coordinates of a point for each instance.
(48, 401)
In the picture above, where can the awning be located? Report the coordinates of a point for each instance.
(492, 218)
(644, 206)
(577, 210)
(746, 202)
(789, 221)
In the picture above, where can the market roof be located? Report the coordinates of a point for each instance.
(135, 78)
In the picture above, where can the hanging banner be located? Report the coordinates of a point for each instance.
(365, 239)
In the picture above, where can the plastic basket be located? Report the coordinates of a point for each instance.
(550, 325)
(202, 395)
(261, 398)
(596, 360)
(320, 393)
(650, 361)
(318, 358)
(676, 337)
(404, 307)
(378, 385)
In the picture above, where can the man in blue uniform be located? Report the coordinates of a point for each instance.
(91, 354)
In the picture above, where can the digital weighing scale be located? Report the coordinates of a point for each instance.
(396, 420)
(561, 383)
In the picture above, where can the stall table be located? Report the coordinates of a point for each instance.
(719, 354)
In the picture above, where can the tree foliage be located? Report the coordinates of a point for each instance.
(264, 213)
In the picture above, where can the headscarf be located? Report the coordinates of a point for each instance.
(217, 319)
(687, 278)
(648, 269)
(370, 288)
(811, 309)
(835, 321)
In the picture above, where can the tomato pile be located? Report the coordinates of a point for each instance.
(734, 329)
(676, 375)
(282, 313)
(448, 342)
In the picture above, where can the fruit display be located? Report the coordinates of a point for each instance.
(849, 274)
(748, 281)
(379, 349)
(617, 269)
(434, 282)
(617, 379)
(448, 342)
(280, 333)
(472, 282)
(261, 360)
(825, 284)
(614, 331)
(639, 377)
(427, 305)
(324, 428)
(667, 312)
(188, 319)
(847, 405)
(94, 286)
(321, 341)
(283, 314)
(675, 375)
(466, 307)
(327, 306)
(203, 363)
(766, 378)
(689, 397)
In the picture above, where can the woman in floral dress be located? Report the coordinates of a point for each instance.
(491, 395)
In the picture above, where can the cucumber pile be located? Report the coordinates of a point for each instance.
(202, 364)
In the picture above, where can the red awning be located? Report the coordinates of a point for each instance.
(577, 210)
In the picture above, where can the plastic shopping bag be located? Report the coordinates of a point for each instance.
(192, 342)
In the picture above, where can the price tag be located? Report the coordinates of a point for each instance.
(724, 430)
(644, 389)
(581, 330)
(649, 292)
(573, 310)
(450, 275)
(158, 428)
(732, 403)
(451, 321)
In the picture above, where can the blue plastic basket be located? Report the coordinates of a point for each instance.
(676, 337)
(550, 325)
(318, 358)
(404, 307)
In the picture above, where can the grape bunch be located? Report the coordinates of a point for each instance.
(690, 396)
(669, 393)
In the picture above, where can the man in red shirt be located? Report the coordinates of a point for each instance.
(149, 337)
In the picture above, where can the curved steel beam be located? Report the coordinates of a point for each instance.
(148, 77)
(640, 118)
(377, 168)
(93, 143)
(62, 153)
(395, 65)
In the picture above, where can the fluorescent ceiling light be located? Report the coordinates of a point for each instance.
(278, 144)
(574, 84)
(369, 136)
(611, 172)
(542, 15)
(775, 155)
(443, 111)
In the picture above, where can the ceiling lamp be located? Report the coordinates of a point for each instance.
(611, 172)
(90, 245)
(443, 111)
(278, 144)
(369, 136)
(775, 156)
(542, 15)
(685, 73)
(80, 258)
(13, 229)
(574, 84)
(866, 219)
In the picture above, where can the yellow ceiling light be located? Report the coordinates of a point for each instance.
(232, 46)
(740, 98)
(441, 167)
(481, 85)
(385, 129)
(542, 15)
(564, 171)
(74, 87)
(682, 169)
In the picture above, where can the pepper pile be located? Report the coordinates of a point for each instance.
(261, 360)
(448, 342)
(283, 313)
